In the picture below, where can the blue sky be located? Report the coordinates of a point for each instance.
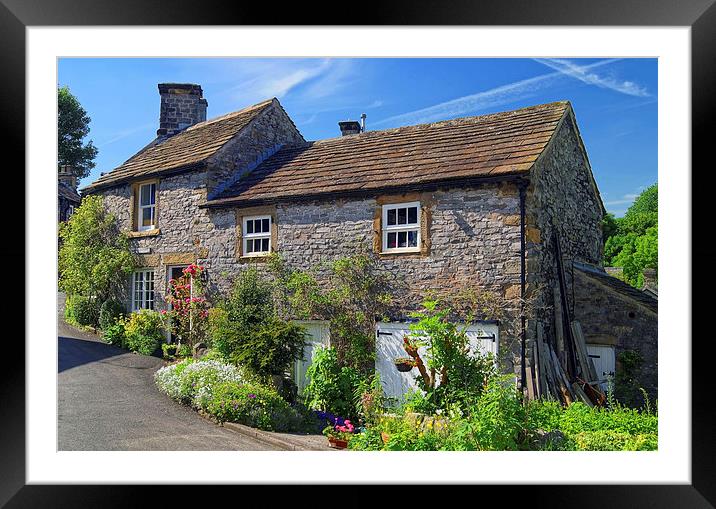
(615, 100)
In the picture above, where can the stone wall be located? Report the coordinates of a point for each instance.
(474, 241)
(474, 244)
(183, 228)
(562, 197)
(261, 138)
(611, 318)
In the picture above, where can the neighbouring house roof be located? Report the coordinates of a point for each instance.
(487, 146)
(68, 192)
(613, 283)
(184, 150)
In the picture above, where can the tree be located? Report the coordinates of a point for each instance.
(72, 127)
(633, 240)
(94, 258)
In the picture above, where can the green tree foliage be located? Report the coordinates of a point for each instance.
(94, 258)
(246, 330)
(631, 242)
(72, 128)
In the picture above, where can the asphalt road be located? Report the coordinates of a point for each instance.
(107, 401)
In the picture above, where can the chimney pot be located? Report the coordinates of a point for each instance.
(349, 127)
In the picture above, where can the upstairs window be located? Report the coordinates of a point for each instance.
(257, 235)
(146, 207)
(401, 227)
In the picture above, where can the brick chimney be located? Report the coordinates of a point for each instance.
(66, 174)
(182, 105)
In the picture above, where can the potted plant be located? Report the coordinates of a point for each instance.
(404, 364)
(338, 435)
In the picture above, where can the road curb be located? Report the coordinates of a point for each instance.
(263, 436)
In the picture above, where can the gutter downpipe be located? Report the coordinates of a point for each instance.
(522, 186)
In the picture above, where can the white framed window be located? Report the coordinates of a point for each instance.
(401, 227)
(256, 235)
(147, 207)
(143, 289)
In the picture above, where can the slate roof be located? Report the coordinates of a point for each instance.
(66, 191)
(494, 145)
(618, 285)
(184, 150)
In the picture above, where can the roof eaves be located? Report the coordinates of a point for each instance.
(101, 186)
(234, 201)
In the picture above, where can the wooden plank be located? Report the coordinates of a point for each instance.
(570, 366)
(581, 395)
(537, 371)
(544, 389)
(562, 380)
(549, 372)
(590, 373)
(530, 383)
(582, 365)
(558, 324)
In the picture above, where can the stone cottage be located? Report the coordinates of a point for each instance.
(481, 202)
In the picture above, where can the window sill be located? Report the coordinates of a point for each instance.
(254, 258)
(145, 233)
(416, 253)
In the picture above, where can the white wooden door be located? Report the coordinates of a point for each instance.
(389, 345)
(318, 332)
(604, 362)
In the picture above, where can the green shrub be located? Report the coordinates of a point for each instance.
(610, 440)
(109, 312)
(199, 379)
(168, 378)
(94, 256)
(115, 334)
(495, 423)
(144, 331)
(169, 351)
(454, 375)
(332, 387)
(254, 405)
(246, 330)
(592, 429)
(80, 310)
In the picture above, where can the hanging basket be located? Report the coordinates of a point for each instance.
(404, 364)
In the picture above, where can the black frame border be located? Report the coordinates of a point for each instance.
(699, 15)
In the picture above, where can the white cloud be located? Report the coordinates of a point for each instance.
(619, 207)
(258, 79)
(124, 133)
(581, 73)
(498, 96)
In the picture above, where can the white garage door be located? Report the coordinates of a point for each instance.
(604, 362)
(319, 335)
(389, 345)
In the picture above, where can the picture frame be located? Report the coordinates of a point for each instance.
(700, 15)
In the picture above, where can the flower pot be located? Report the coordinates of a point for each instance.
(337, 443)
(403, 367)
